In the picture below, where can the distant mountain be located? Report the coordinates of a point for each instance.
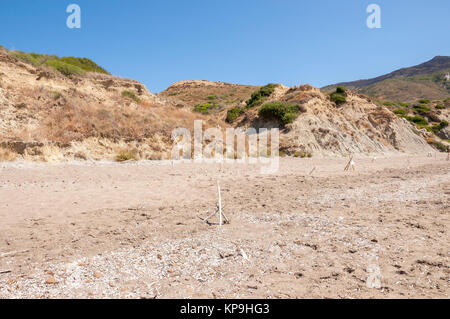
(430, 80)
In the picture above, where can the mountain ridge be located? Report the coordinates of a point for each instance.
(425, 80)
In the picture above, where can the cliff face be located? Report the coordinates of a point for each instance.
(356, 127)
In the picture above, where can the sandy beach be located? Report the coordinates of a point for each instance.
(135, 230)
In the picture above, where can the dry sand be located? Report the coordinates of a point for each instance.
(132, 230)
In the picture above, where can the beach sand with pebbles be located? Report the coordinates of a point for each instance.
(135, 230)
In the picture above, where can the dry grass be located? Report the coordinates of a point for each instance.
(77, 121)
(7, 155)
(126, 155)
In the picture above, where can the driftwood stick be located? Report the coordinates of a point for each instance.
(220, 205)
(13, 253)
(2, 272)
(244, 255)
(215, 212)
(227, 221)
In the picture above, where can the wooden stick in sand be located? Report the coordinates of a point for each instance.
(347, 167)
(220, 204)
(223, 219)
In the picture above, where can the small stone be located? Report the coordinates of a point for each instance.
(98, 275)
(51, 281)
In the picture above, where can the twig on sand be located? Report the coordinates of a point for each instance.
(2, 272)
(13, 253)
(219, 210)
(220, 204)
(244, 255)
(350, 164)
(216, 211)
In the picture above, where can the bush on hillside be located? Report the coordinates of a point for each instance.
(233, 114)
(417, 120)
(84, 63)
(285, 113)
(341, 89)
(64, 68)
(400, 112)
(57, 63)
(339, 96)
(441, 147)
(424, 101)
(124, 156)
(131, 95)
(421, 109)
(258, 97)
(204, 108)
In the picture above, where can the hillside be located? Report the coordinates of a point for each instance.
(314, 125)
(206, 96)
(49, 115)
(52, 111)
(429, 80)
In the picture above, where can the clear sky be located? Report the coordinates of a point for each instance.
(255, 42)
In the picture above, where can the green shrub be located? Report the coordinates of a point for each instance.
(447, 100)
(421, 109)
(338, 98)
(303, 154)
(429, 129)
(417, 120)
(400, 112)
(84, 64)
(64, 68)
(212, 97)
(126, 156)
(424, 101)
(443, 125)
(131, 95)
(285, 113)
(389, 104)
(34, 58)
(44, 59)
(403, 104)
(440, 107)
(204, 108)
(233, 114)
(441, 147)
(341, 89)
(258, 97)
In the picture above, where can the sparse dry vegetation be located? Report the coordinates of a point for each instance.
(131, 95)
(125, 155)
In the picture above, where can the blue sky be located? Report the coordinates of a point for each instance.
(247, 41)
